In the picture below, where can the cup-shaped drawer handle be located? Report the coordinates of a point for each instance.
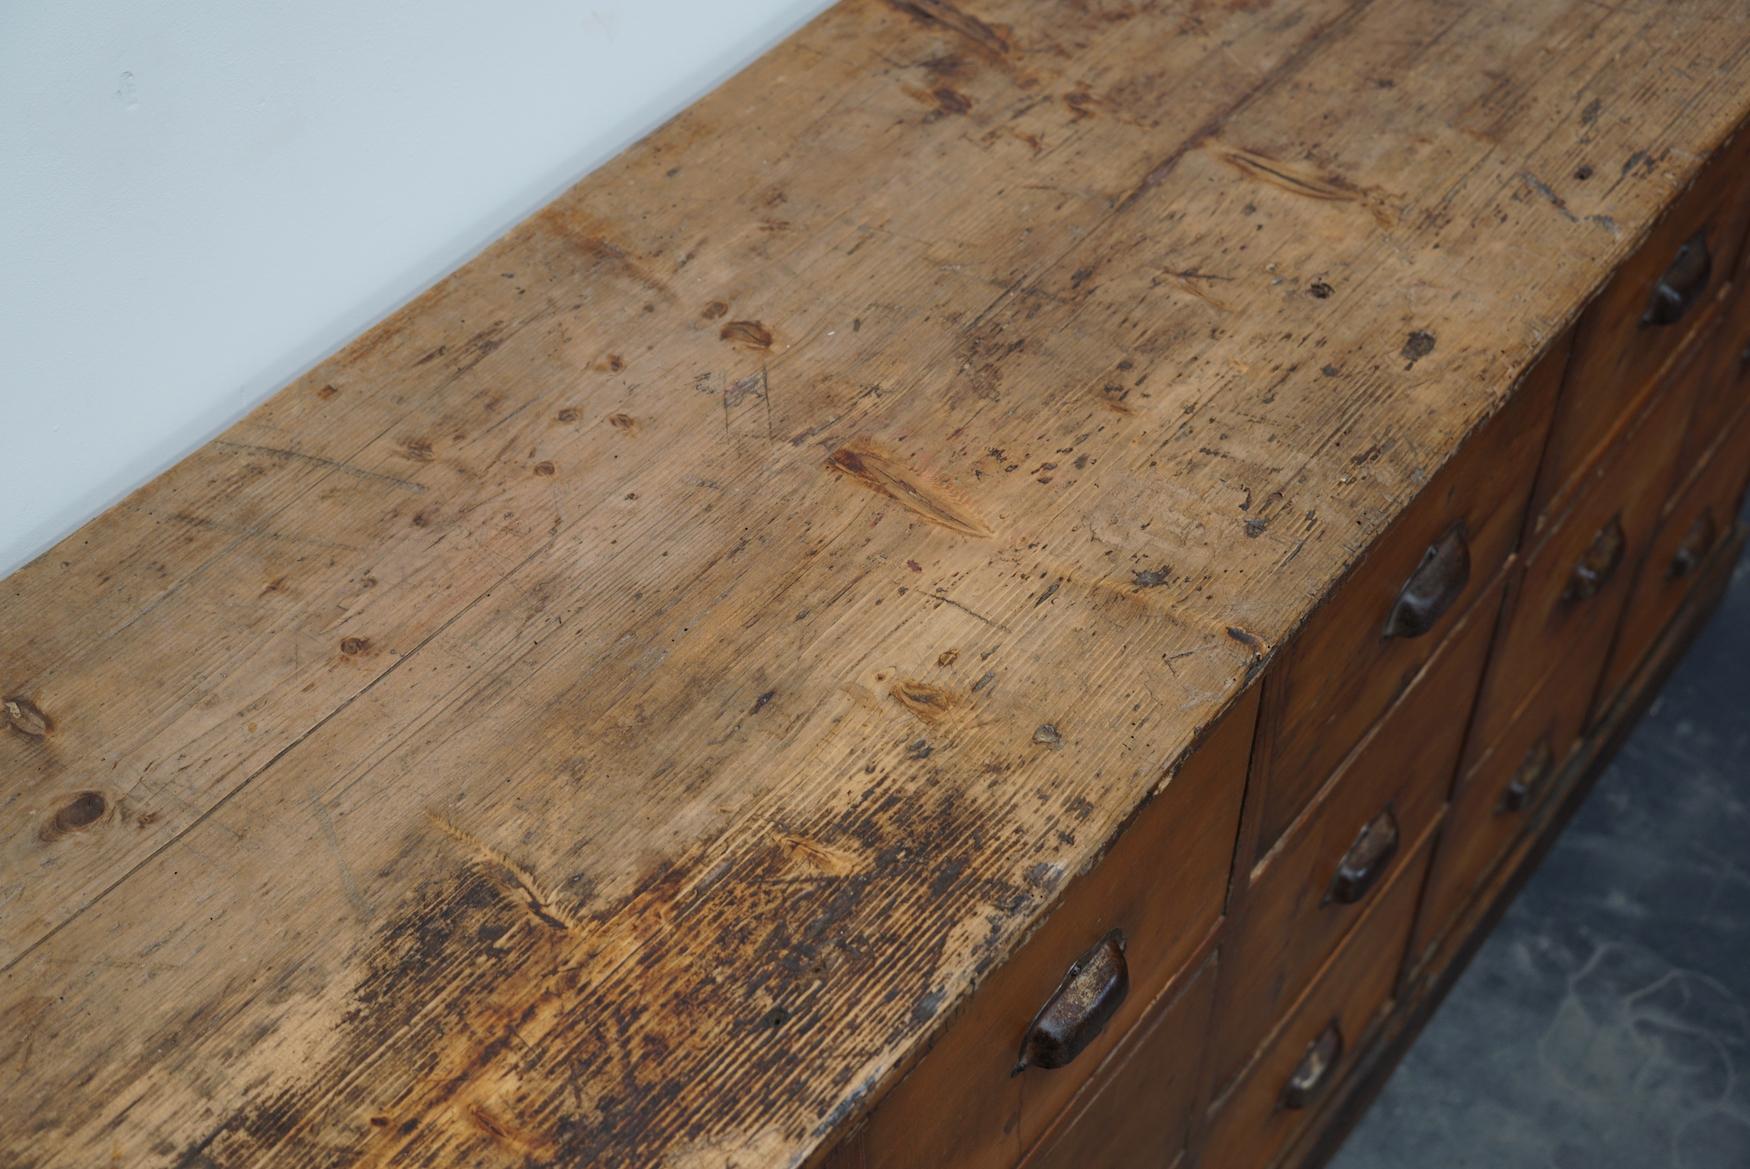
(1367, 859)
(1599, 563)
(1528, 780)
(1433, 587)
(1682, 283)
(1314, 1071)
(1697, 543)
(1091, 992)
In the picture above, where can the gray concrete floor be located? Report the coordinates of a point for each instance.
(1605, 1023)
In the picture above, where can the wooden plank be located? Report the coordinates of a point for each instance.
(594, 718)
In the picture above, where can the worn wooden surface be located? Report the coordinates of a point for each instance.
(613, 712)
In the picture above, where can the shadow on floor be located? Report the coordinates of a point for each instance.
(1605, 1024)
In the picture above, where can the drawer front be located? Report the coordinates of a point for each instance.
(1343, 669)
(1315, 1047)
(1162, 887)
(1561, 618)
(1138, 1109)
(1699, 522)
(1724, 387)
(1642, 318)
(1308, 894)
(1496, 800)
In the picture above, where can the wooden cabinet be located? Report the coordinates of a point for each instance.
(966, 604)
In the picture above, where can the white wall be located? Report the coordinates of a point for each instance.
(199, 199)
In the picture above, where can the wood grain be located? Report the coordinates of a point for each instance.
(492, 749)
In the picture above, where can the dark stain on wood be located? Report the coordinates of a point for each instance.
(77, 814)
(1151, 578)
(1417, 345)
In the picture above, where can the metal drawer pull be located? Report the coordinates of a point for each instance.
(1433, 587)
(1313, 1074)
(1528, 780)
(1091, 992)
(1682, 284)
(1599, 563)
(1367, 859)
(1697, 543)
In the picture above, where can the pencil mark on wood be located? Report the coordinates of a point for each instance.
(318, 461)
(1549, 196)
(1246, 638)
(331, 840)
(747, 405)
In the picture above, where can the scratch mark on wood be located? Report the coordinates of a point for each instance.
(986, 36)
(752, 334)
(947, 600)
(883, 472)
(929, 703)
(515, 882)
(830, 861)
(528, 1144)
(1298, 180)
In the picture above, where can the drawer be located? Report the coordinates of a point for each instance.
(1496, 800)
(1641, 319)
(1561, 616)
(1308, 894)
(1137, 1110)
(1317, 1044)
(1700, 520)
(1162, 886)
(1365, 644)
(1723, 389)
